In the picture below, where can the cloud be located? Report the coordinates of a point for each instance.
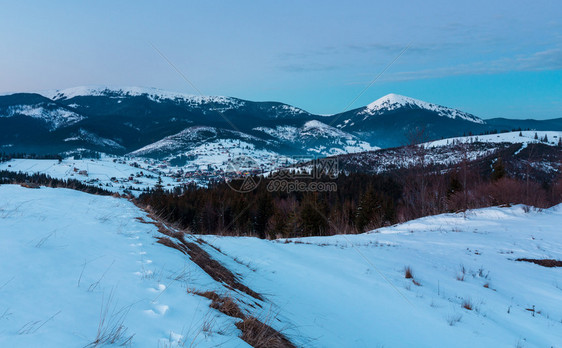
(306, 67)
(550, 59)
(374, 47)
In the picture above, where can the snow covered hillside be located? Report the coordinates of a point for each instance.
(79, 267)
(53, 115)
(351, 291)
(519, 148)
(109, 173)
(72, 259)
(523, 137)
(319, 138)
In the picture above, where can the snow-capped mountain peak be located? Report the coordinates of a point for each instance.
(154, 94)
(395, 101)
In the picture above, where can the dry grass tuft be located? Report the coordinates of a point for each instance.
(461, 274)
(211, 266)
(169, 243)
(408, 273)
(260, 335)
(467, 305)
(224, 304)
(215, 269)
(543, 262)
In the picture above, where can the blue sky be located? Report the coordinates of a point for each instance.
(490, 58)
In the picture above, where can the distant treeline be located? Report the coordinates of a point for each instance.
(362, 201)
(495, 131)
(5, 156)
(7, 177)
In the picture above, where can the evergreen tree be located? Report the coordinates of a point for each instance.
(313, 217)
(498, 170)
(159, 187)
(454, 186)
(263, 214)
(365, 211)
(293, 226)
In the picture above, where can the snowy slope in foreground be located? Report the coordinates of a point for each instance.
(350, 291)
(66, 255)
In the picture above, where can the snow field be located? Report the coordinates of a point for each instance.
(69, 257)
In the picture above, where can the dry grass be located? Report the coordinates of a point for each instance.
(30, 185)
(543, 262)
(224, 304)
(211, 266)
(461, 274)
(466, 304)
(161, 227)
(260, 335)
(453, 319)
(215, 269)
(408, 273)
(169, 243)
(111, 328)
(254, 332)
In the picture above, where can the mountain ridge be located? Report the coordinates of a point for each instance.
(123, 120)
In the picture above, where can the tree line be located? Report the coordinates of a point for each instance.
(361, 203)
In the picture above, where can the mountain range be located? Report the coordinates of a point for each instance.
(159, 124)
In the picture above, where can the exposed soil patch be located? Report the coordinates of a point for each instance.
(544, 262)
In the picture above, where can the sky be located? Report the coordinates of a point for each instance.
(489, 58)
